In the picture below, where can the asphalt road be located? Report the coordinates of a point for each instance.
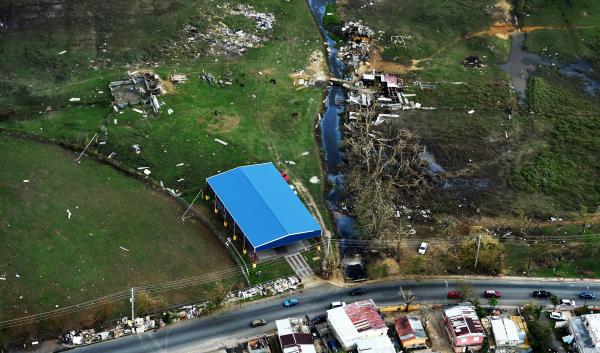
(212, 332)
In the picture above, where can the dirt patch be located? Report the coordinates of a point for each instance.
(315, 71)
(377, 63)
(223, 123)
(437, 334)
(503, 30)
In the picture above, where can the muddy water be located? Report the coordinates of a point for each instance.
(520, 65)
(581, 70)
(331, 135)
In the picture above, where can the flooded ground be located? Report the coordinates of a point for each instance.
(582, 70)
(520, 65)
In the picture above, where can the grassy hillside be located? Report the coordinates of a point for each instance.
(262, 115)
(119, 234)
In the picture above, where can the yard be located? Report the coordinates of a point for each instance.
(74, 232)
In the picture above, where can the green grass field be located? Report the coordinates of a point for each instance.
(262, 115)
(62, 261)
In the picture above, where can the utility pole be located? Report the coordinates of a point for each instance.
(446, 296)
(86, 147)
(132, 300)
(478, 247)
(191, 204)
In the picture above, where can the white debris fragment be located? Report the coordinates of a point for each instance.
(74, 99)
(137, 110)
(260, 73)
(62, 52)
(17, 275)
(170, 111)
(115, 121)
(180, 164)
(68, 214)
(471, 111)
(221, 142)
(314, 180)
(142, 168)
(305, 153)
(180, 180)
(25, 180)
(115, 109)
(291, 162)
(147, 171)
(124, 249)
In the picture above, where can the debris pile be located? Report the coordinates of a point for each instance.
(358, 44)
(473, 61)
(271, 288)
(224, 41)
(140, 87)
(263, 20)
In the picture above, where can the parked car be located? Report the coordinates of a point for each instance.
(453, 294)
(337, 304)
(258, 323)
(291, 302)
(557, 316)
(319, 319)
(564, 301)
(285, 176)
(492, 294)
(423, 248)
(358, 291)
(542, 294)
(587, 295)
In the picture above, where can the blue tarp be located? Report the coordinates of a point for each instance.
(263, 206)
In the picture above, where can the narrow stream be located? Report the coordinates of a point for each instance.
(520, 65)
(330, 131)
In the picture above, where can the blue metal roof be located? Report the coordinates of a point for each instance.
(263, 206)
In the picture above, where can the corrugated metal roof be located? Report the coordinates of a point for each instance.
(464, 320)
(263, 205)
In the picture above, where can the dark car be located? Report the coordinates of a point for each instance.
(453, 294)
(542, 294)
(358, 291)
(258, 323)
(319, 319)
(492, 294)
(587, 295)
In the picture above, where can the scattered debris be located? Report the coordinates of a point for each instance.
(473, 61)
(305, 153)
(147, 171)
(138, 88)
(471, 112)
(221, 142)
(68, 214)
(136, 148)
(291, 162)
(62, 52)
(138, 111)
(179, 78)
(25, 180)
(74, 99)
(314, 180)
(170, 111)
(124, 249)
(180, 164)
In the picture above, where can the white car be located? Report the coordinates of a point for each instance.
(423, 248)
(557, 316)
(337, 304)
(564, 301)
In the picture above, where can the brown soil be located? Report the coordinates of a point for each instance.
(377, 63)
(224, 123)
(316, 69)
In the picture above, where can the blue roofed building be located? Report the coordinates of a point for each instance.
(260, 208)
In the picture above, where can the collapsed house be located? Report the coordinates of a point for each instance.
(142, 87)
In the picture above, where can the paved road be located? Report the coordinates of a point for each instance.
(205, 334)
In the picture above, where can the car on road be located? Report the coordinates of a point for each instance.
(454, 294)
(423, 248)
(258, 323)
(542, 294)
(358, 291)
(587, 295)
(337, 304)
(291, 302)
(490, 293)
(564, 301)
(557, 316)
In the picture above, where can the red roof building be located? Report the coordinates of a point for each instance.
(464, 328)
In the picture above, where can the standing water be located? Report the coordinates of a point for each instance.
(520, 65)
(330, 128)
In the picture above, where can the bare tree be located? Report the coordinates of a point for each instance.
(408, 297)
(424, 313)
(467, 292)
